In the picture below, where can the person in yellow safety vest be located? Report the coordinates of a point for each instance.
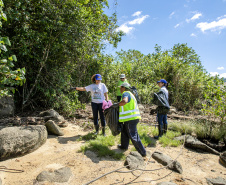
(120, 82)
(129, 114)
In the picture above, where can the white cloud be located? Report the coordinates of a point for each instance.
(170, 16)
(138, 20)
(220, 68)
(193, 35)
(221, 17)
(137, 13)
(212, 26)
(222, 75)
(126, 29)
(214, 73)
(194, 17)
(176, 25)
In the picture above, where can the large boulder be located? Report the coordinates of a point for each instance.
(61, 175)
(52, 115)
(167, 161)
(17, 141)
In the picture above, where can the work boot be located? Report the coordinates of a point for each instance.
(122, 148)
(165, 128)
(97, 129)
(103, 131)
(160, 132)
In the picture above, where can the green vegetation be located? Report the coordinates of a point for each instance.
(9, 78)
(144, 131)
(202, 129)
(168, 139)
(183, 128)
(61, 44)
(214, 105)
(101, 145)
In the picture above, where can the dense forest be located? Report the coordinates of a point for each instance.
(48, 46)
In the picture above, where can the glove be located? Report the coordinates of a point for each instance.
(73, 88)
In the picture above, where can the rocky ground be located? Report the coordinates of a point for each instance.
(61, 151)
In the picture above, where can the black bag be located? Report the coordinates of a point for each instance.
(134, 91)
(111, 115)
(161, 100)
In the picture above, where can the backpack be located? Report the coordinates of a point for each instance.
(134, 91)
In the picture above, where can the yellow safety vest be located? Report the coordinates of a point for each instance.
(129, 111)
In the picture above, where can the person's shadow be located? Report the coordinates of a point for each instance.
(64, 140)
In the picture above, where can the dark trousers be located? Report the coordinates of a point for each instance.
(162, 119)
(119, 98)
(129, 131)
(97, 107)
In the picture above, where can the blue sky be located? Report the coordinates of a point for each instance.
(199, 23)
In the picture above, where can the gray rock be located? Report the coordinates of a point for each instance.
(166, 183)
(52, 115)
(0, 181)
(134, 160)
(61, 175)
(194, 143)
(6, 106)
(17, 141)
(50, 112)
(166, 160)
(223, 158)
(53, 128)
(216, 181)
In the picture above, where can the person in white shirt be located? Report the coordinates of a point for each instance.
(99, 93)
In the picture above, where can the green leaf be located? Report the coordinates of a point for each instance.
(4, 17)
(10, 58)
(6, 41)
(5, 69)
(14, 58)
(4, 61)
(10, 64)
(3, 47)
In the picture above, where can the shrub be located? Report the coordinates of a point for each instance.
(168, 139)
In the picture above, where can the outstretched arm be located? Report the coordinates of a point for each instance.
(81, 88)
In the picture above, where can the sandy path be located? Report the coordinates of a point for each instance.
(58, 152)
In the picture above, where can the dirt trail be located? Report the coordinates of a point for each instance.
(61, 151)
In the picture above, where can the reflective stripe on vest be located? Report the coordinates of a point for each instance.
(129, 111)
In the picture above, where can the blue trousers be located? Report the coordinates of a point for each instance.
(97, 107)
(129, 131)
(162, 119)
